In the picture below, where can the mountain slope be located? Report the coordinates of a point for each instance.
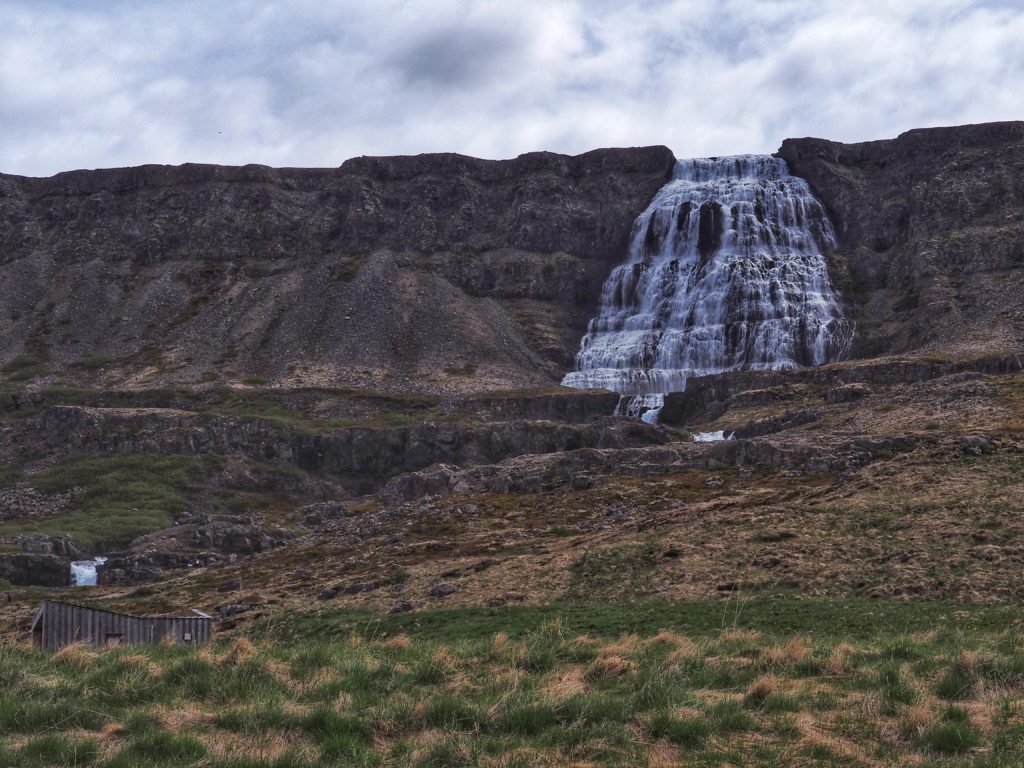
(412, 272)
(931, 231)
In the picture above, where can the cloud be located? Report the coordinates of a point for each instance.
(298, 82)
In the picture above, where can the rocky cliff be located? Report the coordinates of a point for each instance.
(429, 273)
(931, 235)
(442, 272)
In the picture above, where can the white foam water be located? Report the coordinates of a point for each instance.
(83, 572)
(712, 437)
(726, 270)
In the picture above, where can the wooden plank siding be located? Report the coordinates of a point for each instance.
(59, 624)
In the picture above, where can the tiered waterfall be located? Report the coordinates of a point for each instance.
(726, 270)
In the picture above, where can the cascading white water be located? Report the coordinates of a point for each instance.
(726, 270)
(83, 572)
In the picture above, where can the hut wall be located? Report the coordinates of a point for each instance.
(64, 624)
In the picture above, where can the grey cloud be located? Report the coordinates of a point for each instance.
(301, 82)
(456, 56)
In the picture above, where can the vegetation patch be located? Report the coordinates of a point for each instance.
(627, 566)
(532, 699)
(116, 498)
(26, 366)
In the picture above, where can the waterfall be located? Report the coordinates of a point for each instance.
(83, 572)
(726, 270)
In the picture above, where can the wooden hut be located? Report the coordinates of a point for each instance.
(58, 624)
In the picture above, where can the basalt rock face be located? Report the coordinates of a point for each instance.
(426, 272)
(931, 235)
(197, 541)
(26, 569)
(708, 397)
(362, 457)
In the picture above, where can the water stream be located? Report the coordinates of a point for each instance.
(83, 572)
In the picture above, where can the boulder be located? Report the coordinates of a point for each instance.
(41, 544)
(36, 570)
(846, 393)
(231, 585)
(232, 609)
(442, 590)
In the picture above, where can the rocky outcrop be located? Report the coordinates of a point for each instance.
(535, 474)
(22, 500)
(563, 404)
(772, 424)
(31, 569)
(43, 561)
(931, 240)
(846, 393)
(438, 273)
(367, 455)
(41, 544)
(195, 541)
(426, 272)
(708, 397)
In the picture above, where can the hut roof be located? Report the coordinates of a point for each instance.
(39, 613)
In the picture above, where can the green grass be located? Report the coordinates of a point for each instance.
(25, 366)
(9, 474)
(689, 732)
(117, 497)
(830, 618)
(604, 570)
(293, 409)
(954, 736)
(548, 695)
(461, 370)
(92, 362)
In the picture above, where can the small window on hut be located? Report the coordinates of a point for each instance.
(113, 640)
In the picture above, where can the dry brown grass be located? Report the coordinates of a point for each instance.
(270, 746)
(682, 647)
(501, 648)
(78, 654)
(134, 661)
(817, 734)
(916, 719)
(762, 688)
(428, 736)
(111, 732)
(623, 646)
(840, 661)
(398, 642)
(444, 658)
(564, 685)
(242, 651)
(182, 717)
(611, 665)
(661, 754)
(739, 636)
(793, 651)
(295, 708)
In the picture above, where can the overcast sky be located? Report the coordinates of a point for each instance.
(100, 83)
